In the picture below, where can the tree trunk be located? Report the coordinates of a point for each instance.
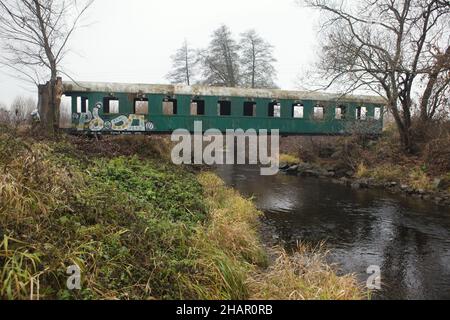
(44, 108)
(57, 91)
(404, 130)
(49, 102)
(406, 140)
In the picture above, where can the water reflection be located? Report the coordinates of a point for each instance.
(408, 238)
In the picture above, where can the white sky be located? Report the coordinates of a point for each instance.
(132, 40)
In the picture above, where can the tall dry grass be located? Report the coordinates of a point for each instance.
(304, 275)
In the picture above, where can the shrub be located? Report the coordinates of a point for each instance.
(289, 159)
(418, 179)
(362, 171)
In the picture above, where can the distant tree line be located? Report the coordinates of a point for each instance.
(226, 62)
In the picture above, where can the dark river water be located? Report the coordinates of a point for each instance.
(407, 238)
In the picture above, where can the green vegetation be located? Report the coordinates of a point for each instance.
(139, 228)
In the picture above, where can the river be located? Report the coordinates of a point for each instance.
(409, 239)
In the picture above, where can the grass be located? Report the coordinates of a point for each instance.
(304, 276)
(138, 228)
(289, 159)
(419, 180)
(414, 177)
(362, 171)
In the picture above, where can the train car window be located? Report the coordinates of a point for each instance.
(319, 112)
(82, 104)
(361, 113)
(340, 112)
(298, 111)
(198, 107)
(224, 108)
(110, 105)
(141, 106)
(249, 109)
(170, 107)
(377, 113)
(274, 110)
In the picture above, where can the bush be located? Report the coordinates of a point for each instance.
(419, 180)
(289, 159)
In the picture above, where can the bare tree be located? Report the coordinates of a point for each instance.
(221, 59)
(35, 36)
(184, 63)
(256, 61)
(435, 96)
(21, 110)
(390, 47)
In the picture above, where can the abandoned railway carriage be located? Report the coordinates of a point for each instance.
(124, 108)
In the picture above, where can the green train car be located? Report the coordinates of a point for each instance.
(113, 108)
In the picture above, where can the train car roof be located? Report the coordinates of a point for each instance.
(173, 90)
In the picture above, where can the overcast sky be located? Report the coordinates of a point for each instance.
(132, 40)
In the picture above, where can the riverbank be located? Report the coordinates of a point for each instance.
(390, 179)
(138, 227)
(362, 163)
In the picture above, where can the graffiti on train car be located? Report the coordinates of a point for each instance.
(92, 121)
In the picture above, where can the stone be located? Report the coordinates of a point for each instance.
(330, 174)
(437, 183)
(356, 185)
(322, 173)
(337, 155)
(330, 168)
(344, 181)
(292, 169)
(311, 173)
(404, 187)
(302, 167)
(441, 183)
(364, 183)
(349, 173)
